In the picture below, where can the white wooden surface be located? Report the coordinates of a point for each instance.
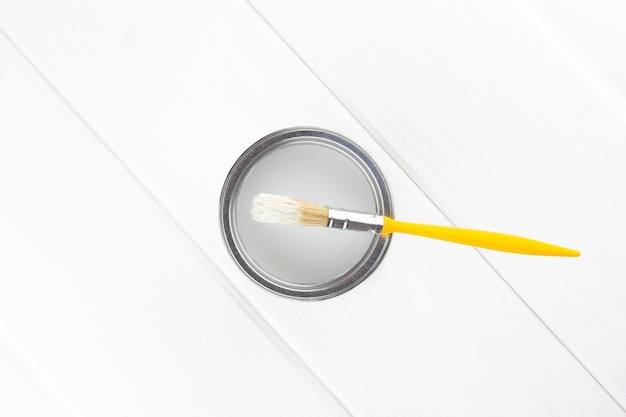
(119, 122)
(99, 293)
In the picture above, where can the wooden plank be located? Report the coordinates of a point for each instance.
(173, 83)
(24, 390)
(596, 29)
(102, 297)
(505, 126)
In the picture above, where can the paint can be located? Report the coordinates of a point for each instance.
(316, 165)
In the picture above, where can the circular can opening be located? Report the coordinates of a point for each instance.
(318, 166)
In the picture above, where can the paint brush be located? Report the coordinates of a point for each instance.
(270, 208)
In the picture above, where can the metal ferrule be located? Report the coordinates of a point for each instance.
(350, 220)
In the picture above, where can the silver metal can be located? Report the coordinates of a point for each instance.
(318, 166)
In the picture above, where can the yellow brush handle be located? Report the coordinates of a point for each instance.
(478, 238)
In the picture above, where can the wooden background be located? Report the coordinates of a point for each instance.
(119, 121)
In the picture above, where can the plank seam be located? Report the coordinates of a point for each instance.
(584, 64)
(47, 380)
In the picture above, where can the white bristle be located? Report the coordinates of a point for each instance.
(270, 208)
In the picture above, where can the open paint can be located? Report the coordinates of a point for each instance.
(313, 165)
